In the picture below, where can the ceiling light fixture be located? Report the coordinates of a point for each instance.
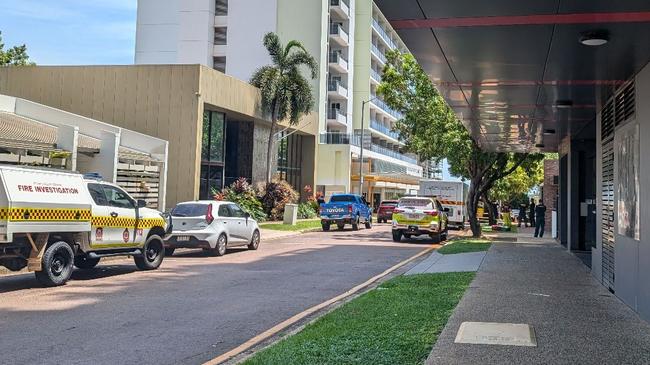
(549, 131)
(594, 38)
(563, 104)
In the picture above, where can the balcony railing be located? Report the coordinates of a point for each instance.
(375, 75)
(378, 53)
(383, 129)
(383, 34)
(336, 86)
(337, 58)
(337, 29)
(383, 106)
(335, 114)
(355, 140)
(343, 5)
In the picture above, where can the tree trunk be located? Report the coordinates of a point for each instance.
(472, 207)
(269, 151)
(491, 209)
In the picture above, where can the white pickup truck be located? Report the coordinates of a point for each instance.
(51, 220)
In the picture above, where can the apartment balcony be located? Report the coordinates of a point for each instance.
(338, 63)
(339, 35)
(384, 108)
(377, 126)
(336, 118)
(355, 140)
(375, 76)
(383, 35)
(379, 55)
(340, 8)
(336, 90)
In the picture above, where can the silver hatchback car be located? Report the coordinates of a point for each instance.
(213, 226)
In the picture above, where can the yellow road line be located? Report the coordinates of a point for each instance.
(294, 319)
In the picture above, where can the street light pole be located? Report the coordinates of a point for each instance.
(363, 113)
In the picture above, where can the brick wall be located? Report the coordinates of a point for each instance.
(550, 190)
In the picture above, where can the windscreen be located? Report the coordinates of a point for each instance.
(388, 204)
(189, 210)
(342, 198)
(415, 203)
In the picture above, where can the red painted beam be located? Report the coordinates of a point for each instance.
(531, 83)
(540, 19)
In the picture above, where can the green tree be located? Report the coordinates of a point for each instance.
(14, 56)
(431, 129)
(286, 93)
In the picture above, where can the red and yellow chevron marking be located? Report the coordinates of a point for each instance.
(44, 215)
(451, 202)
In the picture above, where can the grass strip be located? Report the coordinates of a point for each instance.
(464, 245)
(396, 323)
(300, 226)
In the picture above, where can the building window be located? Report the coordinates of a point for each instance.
(212, 153)
(219, 64)
(220, 36)
(290, 159)
(221, 7)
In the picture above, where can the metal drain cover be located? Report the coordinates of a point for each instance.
(487, 333)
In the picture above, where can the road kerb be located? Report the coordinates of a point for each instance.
(296, 318)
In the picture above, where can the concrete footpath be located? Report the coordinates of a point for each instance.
(538, 283)
(438, 263)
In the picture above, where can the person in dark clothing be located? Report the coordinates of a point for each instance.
(521, 218)
(540, 212)
(531, 215)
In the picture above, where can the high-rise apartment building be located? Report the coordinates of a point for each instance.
(349, 38)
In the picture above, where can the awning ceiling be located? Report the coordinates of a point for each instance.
(503, 65)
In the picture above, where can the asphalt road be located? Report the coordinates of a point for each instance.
(193, 308)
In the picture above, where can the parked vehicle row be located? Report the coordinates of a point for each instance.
(52, 220)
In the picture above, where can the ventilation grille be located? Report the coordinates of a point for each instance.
(221, 7)
(608, 215)
(618, 109)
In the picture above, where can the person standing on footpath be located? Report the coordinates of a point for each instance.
(521, 218)
(531, 216)
(540, 213)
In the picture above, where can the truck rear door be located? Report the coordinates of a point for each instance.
(114, 220)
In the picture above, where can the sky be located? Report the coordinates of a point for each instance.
(71, 32)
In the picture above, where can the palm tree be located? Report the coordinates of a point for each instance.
(285, 92)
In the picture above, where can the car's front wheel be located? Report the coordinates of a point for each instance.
(254, 244)
(397, 235)
(153, 254)
(369, 223)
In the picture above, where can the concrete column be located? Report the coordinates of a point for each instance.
(67, 138)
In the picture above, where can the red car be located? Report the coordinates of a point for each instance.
(385, 210)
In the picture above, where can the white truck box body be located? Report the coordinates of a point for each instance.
(38, 200)
(452, 195)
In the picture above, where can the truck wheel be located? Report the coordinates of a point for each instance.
(397, 236)
(436, 237)
(326, 227)
(355, 224)
(83, 262)
(340, 226)
(255, 241)
(369, 223)
(57, 265)
(153, 253)
(222, 245)
(169, 251)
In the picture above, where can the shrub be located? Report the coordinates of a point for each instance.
(274, 196)
(306, 211)
(242, 193)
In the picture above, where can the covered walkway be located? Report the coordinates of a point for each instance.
(574, 321)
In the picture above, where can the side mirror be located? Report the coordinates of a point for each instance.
(247, 215)
(141, 203)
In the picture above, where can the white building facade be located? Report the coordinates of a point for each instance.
(349, 38)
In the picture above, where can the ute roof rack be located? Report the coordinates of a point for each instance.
(93, 176)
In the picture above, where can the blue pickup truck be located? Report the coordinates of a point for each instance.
(345, 209)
